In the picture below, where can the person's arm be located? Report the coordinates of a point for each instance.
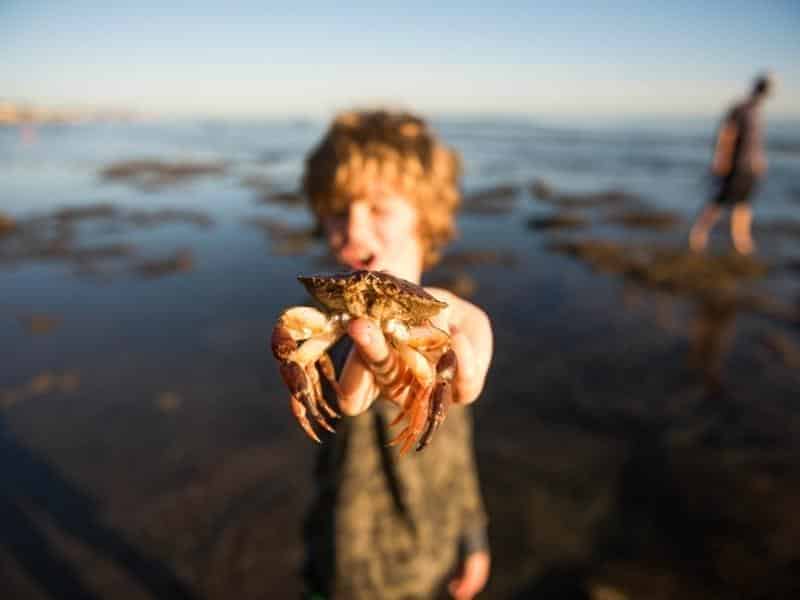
(722, 161)
(471, 339)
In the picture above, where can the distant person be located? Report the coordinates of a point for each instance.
(738, 164)
(385, 190)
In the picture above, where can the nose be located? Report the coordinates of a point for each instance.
(358, 225)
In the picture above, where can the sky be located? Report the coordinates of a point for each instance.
(259, 59)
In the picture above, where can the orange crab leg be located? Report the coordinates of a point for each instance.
(300, 414)
(316, 398)
(326, 366)
(297, 382)
(418, 419)
(427, 338)
(411, 408)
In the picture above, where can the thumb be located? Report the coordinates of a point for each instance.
(369, 340)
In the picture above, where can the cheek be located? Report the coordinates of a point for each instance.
(400, 234)
(334, 233)
(334, 239)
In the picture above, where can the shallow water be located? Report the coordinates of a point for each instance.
(632, 440)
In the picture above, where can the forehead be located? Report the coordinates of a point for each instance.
(398, 203)
(372, 189)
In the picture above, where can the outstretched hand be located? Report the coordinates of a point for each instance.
(470, 338)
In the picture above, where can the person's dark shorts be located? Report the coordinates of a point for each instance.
(737, 188)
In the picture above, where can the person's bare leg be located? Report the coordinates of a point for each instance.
(698, 236)
(741, 220)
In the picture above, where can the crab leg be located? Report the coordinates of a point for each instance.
(427, 338)
(414, 376)
(316, 398)
(300, 414)
(297, 381)
(326, 366)
(441, 397)
(417, 419)
(426, 406)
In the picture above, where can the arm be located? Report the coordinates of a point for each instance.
(473, 576)
(721, 162)
(472, 341)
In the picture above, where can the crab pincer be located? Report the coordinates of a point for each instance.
(298, 363)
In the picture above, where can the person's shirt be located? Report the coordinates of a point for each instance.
(386, 526)
(748, 156)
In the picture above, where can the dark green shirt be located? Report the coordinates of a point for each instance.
(391, 527)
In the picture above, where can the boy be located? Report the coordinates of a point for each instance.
(384, 190)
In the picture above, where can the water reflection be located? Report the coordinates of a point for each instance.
(711, 333)
(34, 498)
(285, 239)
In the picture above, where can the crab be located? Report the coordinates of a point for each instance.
(417, 374)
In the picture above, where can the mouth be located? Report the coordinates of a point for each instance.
(359, 260)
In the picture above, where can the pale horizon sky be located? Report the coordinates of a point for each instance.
(251, 59)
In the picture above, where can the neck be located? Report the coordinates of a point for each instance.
(414, 275)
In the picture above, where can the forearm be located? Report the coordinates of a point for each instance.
(721, 162)
(474, 539)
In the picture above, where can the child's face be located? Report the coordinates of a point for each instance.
(377, 232)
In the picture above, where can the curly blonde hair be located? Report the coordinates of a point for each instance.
(398, 149)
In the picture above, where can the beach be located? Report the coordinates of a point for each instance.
(638, 436)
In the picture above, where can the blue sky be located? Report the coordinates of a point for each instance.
(252, 59)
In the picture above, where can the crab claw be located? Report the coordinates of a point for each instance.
(300, 340)
(441, 397)
(303, 399)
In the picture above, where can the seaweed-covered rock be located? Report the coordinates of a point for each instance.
(647, 219)
(561, 220)
(496, 200)
(676, 269)
(7, 225)
(153, 174)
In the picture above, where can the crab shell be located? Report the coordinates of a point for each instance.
(374, 294)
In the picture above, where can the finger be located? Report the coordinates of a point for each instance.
(356, 385)
(473, 577)
(369, 340)
(466, 369)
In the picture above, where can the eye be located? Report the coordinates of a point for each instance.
(381, 209)
(339, 213)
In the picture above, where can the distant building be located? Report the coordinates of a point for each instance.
(12, 113)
